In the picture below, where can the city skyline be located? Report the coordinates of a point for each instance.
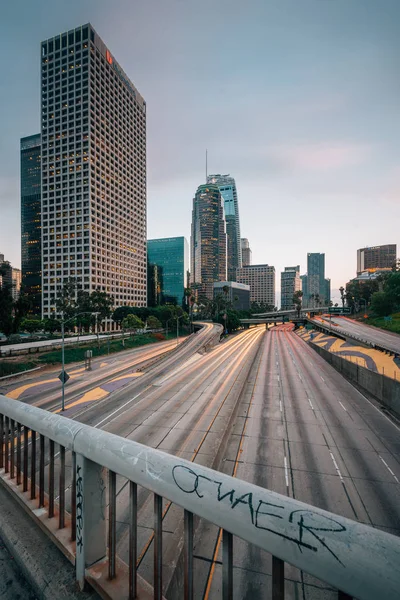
(330, 150)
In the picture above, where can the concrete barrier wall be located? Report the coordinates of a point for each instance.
(385, 389)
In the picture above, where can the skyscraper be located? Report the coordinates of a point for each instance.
(227, 187)
(261, 279)
(246, 252)
(93, 172)
(170, 256)
(290, 283)
(376, 257)
(31, 214)
(208, 242)
(316, 289)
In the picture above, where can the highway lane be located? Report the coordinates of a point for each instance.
(303, 431)
(372, 335)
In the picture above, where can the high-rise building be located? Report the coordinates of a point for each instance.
(316, 289)
(261, 279)
(93, 172)
(246, 252)
(31, 215)
(208, 244)
(16, 276)
(227, 187)
(376, 257)
(290, 283)
(170, 256)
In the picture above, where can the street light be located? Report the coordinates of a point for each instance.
(63, 374)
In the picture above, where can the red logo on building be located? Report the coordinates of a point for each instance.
(109, 57)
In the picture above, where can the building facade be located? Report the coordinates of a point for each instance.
(31, 216)
(261, 279)
(170, 257)
(238, 294)
(376, 257)
(290, 283)
(227, 187)
(93, 172)
(316, 289)
(246, 252)
(208, 242)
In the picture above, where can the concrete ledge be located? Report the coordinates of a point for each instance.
(50, 574)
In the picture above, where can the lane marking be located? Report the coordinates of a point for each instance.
(120, 408)
(300, 377)
(322, 378)
(286, 472)
(312, 408)
(336, 466)
(344, 408)
(278, 377)
(388, 468)
(280, 404)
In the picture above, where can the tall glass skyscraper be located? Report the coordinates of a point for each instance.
(227, 187)
(208, 244)
(168, 260)
(316, 289)
(93, 171)
(31, 242)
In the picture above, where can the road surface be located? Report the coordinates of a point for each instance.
(372, 335)
(13, 586)
(265, 408)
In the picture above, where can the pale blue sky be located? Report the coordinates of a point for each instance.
(297, 99)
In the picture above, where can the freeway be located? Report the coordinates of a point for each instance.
(264, 407)
(367, 333)
(7, 348)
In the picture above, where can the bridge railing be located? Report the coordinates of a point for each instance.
(356, 559)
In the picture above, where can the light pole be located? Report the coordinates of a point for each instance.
(166, 325)
(365, 305)
(63, 373)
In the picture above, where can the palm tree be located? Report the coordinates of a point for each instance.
(341, 290)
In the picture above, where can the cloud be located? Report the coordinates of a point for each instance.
(320, 156)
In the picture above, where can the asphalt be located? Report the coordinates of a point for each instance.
(265, 408)
(13, 585)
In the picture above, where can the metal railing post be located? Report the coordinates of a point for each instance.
(90, 515)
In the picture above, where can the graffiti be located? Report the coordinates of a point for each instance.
(79, 509)
(307, 527)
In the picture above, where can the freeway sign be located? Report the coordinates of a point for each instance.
(63, 377)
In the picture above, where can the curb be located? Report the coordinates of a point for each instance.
(50, 575)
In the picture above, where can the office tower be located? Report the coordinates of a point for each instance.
(238, 294)
(170, 257)
(16, 277)
(208, 242)
(227, 187)
(31, 214)
(316, 289)
(93, 172)
(290, 283)
(246, 252)
(1, 258)
(376, 257)
(261, 279)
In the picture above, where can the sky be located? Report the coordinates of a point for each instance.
(296, 99)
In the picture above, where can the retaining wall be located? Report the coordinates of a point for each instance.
(385, 389)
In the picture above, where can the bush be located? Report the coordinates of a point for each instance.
(160, 337)
(14, 338)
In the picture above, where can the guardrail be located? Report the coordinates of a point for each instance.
(356, 559)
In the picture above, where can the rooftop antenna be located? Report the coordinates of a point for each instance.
(206, 166)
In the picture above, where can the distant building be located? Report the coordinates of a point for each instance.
(1, 258)
(208, 242)
(261, 279)
(290, 283)
(16, 276)
(238, 293)
(246, 252)
(376, 257)
(31, 214)
(316, 289)
(227, 187)
(168, 260)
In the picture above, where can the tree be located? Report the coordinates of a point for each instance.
(132, 322)
(232, 320)
(6, 308)
(381, 304)
(31, 325)
(298, 301)
(102, 303)
(121, 312)
(341, 290)
(153, 323)
(392, 288)
(66, 301)
(51, 325)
